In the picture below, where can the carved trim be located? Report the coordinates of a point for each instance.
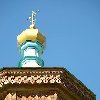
(46, 75)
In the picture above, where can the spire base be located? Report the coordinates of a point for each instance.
(31, 62)
(32, 26)
(31, 52)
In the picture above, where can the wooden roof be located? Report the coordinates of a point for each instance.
(42, 81)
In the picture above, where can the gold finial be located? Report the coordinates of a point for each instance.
(33, 18)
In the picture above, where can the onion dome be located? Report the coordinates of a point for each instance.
(31, 45)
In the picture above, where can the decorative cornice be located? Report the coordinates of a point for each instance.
(60, 76)
(35, 97)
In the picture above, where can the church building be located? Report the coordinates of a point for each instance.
(31, 80)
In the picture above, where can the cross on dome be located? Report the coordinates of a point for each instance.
(34, 13)
(31, 43)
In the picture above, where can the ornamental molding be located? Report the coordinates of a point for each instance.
(60, 76)
(36, 97)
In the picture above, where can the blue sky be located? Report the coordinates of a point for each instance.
(72, 30)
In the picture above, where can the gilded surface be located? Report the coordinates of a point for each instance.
(31, 34)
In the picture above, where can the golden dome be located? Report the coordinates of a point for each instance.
(31, 34)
